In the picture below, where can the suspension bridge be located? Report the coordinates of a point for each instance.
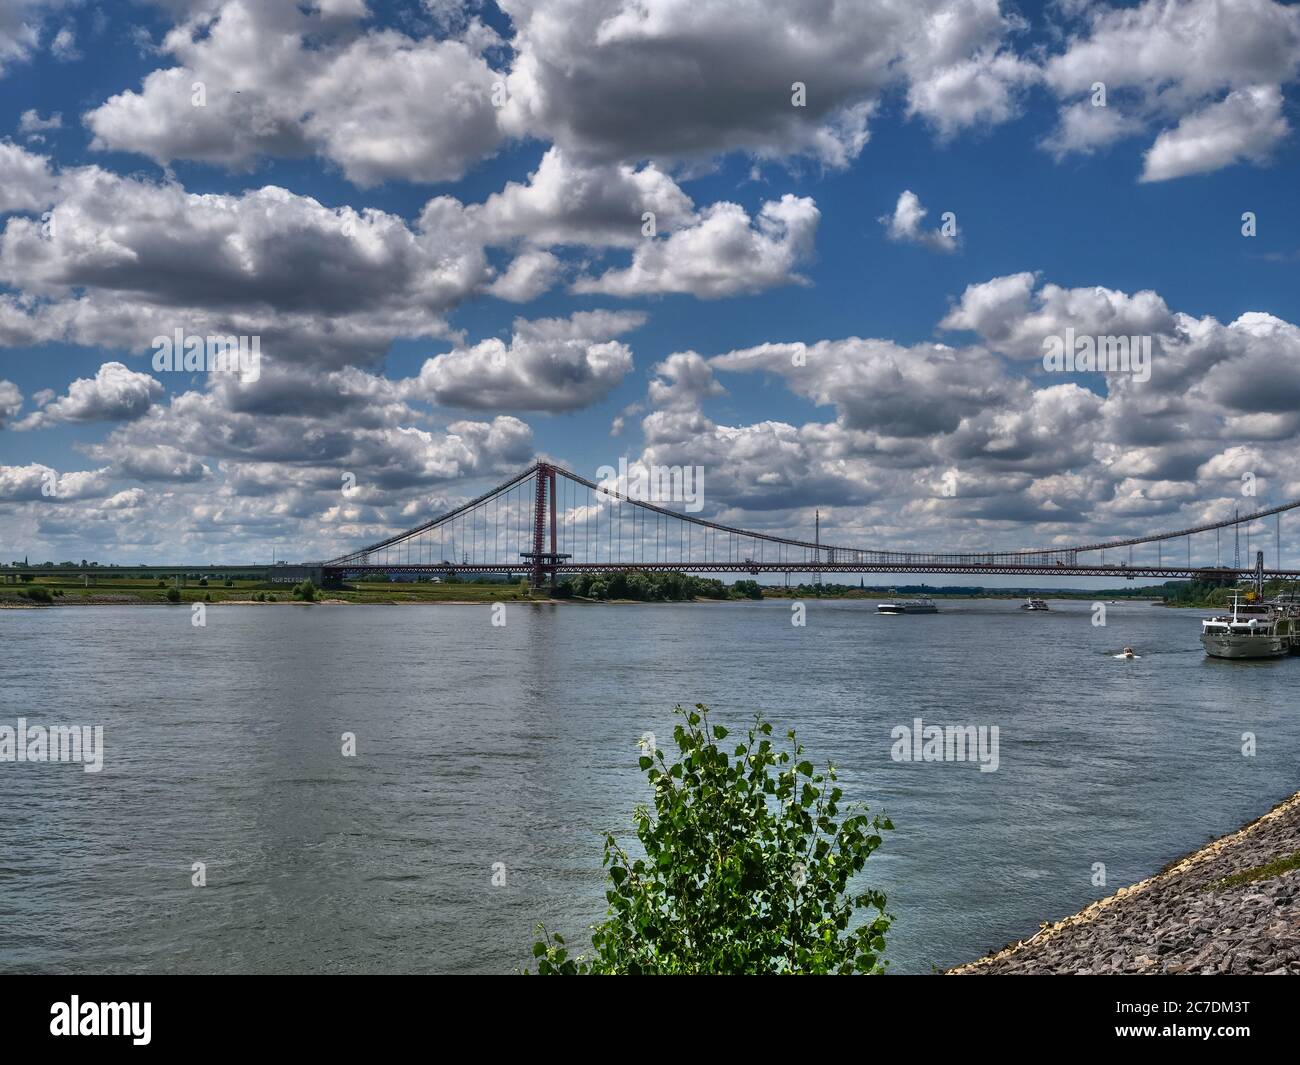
(547, 522)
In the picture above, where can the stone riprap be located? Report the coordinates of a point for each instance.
(1184, 919)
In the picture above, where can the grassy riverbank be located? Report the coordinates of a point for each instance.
(652, 587)
(129, 592)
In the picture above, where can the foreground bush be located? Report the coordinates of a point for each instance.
(746, 869)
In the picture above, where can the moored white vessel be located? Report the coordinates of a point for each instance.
(1254, 629)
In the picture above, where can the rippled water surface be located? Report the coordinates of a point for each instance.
(516, 744)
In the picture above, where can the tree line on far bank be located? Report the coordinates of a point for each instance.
(655, 587)
(1217, 593)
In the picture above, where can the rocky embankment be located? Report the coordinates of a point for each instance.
(1232, 907)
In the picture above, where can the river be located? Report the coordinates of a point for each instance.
(501, 753)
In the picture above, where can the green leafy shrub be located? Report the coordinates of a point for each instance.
(746, 868)
(306, 591)
(37, 594)
(173, 595)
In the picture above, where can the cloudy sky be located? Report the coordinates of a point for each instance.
(812, 246)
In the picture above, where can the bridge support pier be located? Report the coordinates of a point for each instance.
(545, 480)
(543, 561)
(543, 564)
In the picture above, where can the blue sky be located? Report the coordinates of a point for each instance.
(964, 105)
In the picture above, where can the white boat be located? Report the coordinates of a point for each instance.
(923, 605)
(1035, 604)
(1254, 629)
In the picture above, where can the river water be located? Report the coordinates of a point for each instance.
(501, 753)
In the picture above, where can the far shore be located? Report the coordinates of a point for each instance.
(192, 595)
(129, 600)
(108, 589)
